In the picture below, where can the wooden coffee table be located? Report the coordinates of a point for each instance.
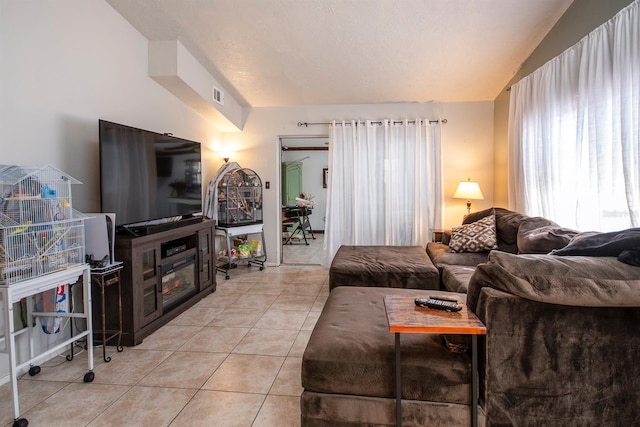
(405, 317)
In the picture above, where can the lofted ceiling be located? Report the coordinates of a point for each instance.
(325, 52)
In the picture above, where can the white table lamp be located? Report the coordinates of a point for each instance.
(469, 190)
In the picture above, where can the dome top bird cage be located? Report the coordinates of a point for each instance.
(239, 198)
(40, 232)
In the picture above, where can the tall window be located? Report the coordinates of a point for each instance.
(574, 132)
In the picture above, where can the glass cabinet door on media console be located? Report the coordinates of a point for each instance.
(207, 271)
(151, 309)
(171, 273)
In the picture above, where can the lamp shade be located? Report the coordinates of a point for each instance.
(469, 190)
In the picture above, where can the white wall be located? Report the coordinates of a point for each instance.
(467, 141)
(66, 64)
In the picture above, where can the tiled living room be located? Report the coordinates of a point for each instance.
(233, 359)
(535, 103)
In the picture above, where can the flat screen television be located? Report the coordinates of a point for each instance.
(148, 178)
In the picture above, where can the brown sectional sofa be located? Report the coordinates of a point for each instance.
(563, 338)
(516, 233)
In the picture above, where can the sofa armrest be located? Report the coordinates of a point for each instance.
(547, 364)
(446, 237)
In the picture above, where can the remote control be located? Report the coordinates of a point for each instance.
(437, 304)
(443, 298)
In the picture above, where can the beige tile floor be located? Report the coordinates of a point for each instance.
(233, 359)
(298, 253)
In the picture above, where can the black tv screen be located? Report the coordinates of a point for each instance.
(147, 177)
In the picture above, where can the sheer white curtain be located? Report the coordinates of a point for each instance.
(574, 132)
(385, 185)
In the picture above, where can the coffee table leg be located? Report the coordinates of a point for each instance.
(474, 380)
(398, 384)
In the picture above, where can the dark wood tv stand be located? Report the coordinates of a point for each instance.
(164, 274)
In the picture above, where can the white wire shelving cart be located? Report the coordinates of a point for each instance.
(41, 257)
(27, 291)
(257, 255)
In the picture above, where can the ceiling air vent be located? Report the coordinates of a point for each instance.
(217, 95)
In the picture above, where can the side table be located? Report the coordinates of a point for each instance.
(405, 317)
(436, 234)
(103, 278)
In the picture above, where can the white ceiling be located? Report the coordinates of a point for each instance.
(324, 52)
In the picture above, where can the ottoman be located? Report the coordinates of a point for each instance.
(383, 266)
(348, 368)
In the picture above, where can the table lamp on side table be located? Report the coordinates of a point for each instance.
(469, 190)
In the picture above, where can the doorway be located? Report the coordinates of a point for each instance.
(304, 160)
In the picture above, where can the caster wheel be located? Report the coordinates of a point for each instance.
(34, 370)
(89, 377)
(20, 422)
(227, 277)
(261, 268)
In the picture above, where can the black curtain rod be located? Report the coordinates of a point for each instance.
(307, 124)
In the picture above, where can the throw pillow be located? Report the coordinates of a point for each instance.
(475, 237)
(507, 223)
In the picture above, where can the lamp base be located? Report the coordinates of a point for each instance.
(468, 207)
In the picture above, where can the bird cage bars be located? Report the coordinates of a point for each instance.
(40, 232)
(239, 198)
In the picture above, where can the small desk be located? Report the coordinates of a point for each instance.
(297, 217)
(405, 317)
(104, 278)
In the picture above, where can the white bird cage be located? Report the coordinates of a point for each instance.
(40, 232)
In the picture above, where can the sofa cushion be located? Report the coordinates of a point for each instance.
(440, 256)
(384, 266)
(475, 237)
(455, 278)
(351, 351)
(475, 216)
(570, 280)
(538, 235)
